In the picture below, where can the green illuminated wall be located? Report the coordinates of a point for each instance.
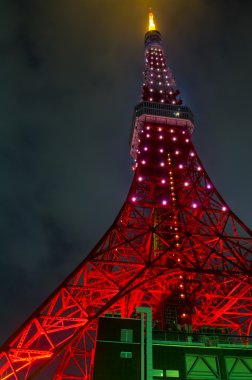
(201, 363)
(118, 356)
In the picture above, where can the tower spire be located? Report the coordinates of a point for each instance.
(152, 25)
(159, 85)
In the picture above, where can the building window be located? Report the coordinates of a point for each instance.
(172, 373)
(157, 373)
(125, 355)
(127, 335)
(169, 373)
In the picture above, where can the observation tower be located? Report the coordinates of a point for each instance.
(173, 271)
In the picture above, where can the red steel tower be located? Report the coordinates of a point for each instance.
(175, 246)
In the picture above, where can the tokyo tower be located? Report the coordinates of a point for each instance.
(175, 247)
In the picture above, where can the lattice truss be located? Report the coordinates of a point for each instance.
(174, 240)
(174, 234)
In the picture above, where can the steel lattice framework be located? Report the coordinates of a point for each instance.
(175, 238)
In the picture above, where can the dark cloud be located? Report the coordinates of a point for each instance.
(70, 74)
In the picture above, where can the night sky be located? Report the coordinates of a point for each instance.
(70, 75)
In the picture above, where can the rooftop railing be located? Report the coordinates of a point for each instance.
(203, 339)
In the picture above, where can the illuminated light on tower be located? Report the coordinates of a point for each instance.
(152, 25)
(175, 246)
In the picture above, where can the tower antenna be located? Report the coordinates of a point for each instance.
(152, 25)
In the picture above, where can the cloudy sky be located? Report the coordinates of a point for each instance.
(70, 75)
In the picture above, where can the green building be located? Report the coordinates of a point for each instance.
(134, 349)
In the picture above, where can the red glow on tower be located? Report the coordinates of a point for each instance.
(175, 246)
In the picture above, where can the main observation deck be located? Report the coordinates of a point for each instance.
(163, 114)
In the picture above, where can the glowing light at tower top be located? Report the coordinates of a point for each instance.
(152, 25)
